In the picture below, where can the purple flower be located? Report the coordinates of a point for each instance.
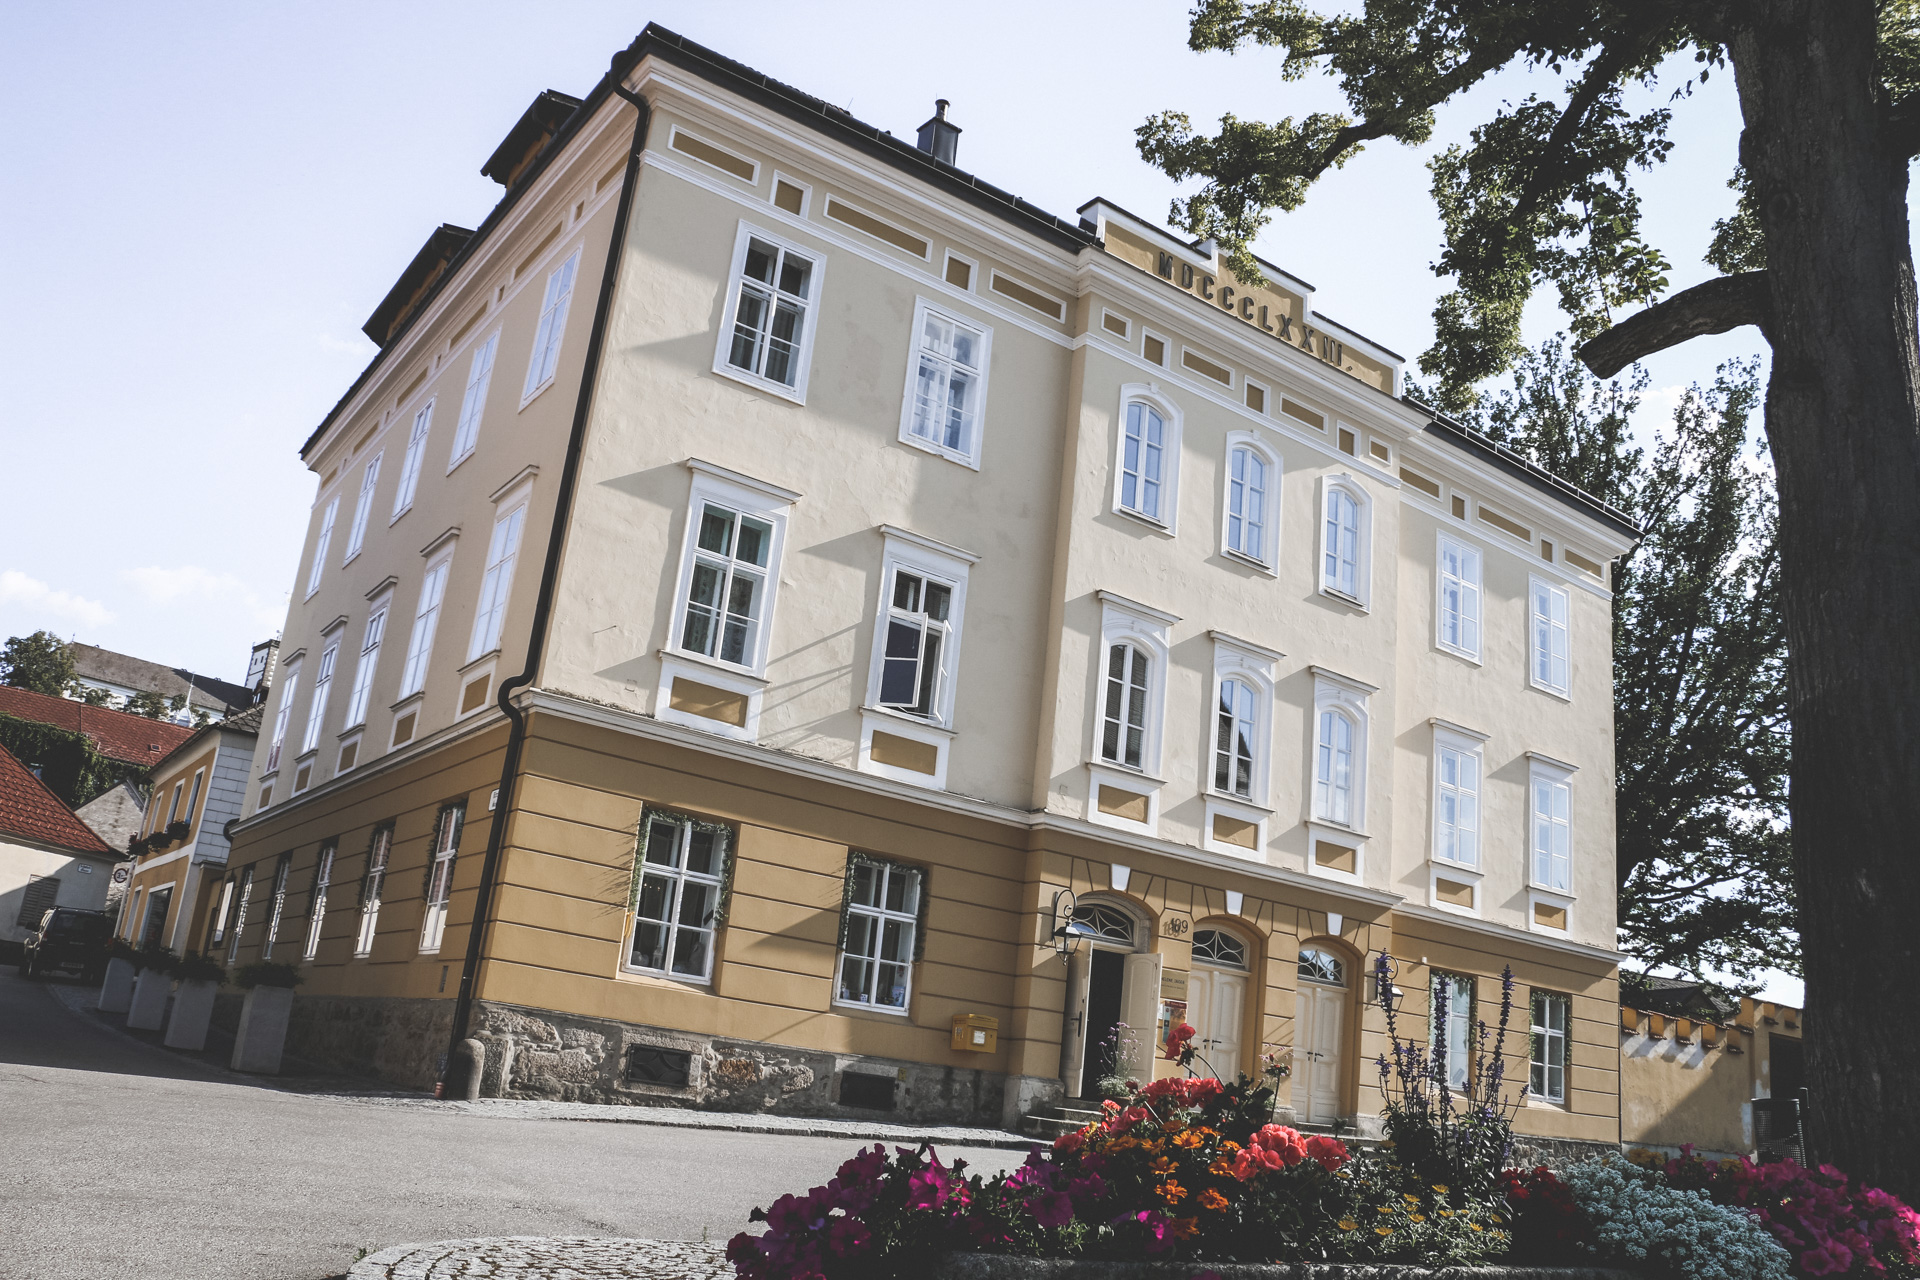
(1051, 1208)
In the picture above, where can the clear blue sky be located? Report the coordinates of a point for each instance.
(205, 202)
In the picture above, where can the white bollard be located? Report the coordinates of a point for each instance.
(116, 993)
(192, 1012)
(263, 1030)
(149, 1009)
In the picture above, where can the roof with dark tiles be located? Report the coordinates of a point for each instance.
(29, 811)
(118, 735)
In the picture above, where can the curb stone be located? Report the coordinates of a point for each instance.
(545, 1258)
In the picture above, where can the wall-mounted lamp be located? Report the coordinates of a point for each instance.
(1068, 933)
(1384, 992)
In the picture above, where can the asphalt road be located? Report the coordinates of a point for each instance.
(123, 1159)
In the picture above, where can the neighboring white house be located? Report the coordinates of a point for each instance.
(48, 857)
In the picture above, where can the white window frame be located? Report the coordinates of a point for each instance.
(193, 799)
(410, 462)
(679, 877)
(496, 584)
(1544, 1035)
(441, 855)
(374, 883)
(1268, 558)
(932, 560)
(282, 871)
(371, 638)
(357, 532)
(1556, 778)
(1124, 621)
(431, 603)
(736, 274)
(289, 686)
(317, 909)
(556, 302)
(239, 914)
(967, 453)
(1146, 394)
(319, 566)
(322, 692)
(473, 402)
(1362, 594)
(1543, 627)
(1340, 695)
(744, 497)
(881, 917)
(1468, 584)
(1251, 665)
(1463, 745)
(1459, 1024)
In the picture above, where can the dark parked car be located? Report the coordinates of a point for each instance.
(68, 938)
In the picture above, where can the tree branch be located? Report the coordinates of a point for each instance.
(1713, 307)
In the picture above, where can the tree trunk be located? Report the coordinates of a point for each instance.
(1843, 420)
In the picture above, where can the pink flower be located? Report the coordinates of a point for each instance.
(1329, 1153)
(1068, 1143)
(1051, 1208)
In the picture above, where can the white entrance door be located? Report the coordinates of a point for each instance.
(1216, 1004)
(1316, 1057)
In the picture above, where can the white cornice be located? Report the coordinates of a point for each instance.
(718, 472)
(1509, 935)
(929, 544)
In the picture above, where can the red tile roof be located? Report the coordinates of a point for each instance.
(29, 810)
(119, 735)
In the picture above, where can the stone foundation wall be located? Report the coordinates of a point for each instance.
(536, 1053)
(1529, 1151)
(397, 1040)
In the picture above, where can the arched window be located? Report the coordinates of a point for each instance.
(1233, 743)
(1217, 947)
(1320, 966)
(1123, 727)
(1333, 769)
(1247, 504)
(1110, 923)
(1143, 462)
(1341, 551)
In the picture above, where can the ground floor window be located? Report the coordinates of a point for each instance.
(317, 900)
(878, 934)
(439, 886)
(1549, 1047)
(1453, 1027)
(679, 886)
(239, 915)
(282, 868)
(372, 884)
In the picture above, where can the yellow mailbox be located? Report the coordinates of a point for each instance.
(975, 1033)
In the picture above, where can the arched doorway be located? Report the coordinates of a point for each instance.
(1319, 1034)
(1217, 1000)
(1110, 999)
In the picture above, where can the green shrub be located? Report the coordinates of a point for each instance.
(267, 973)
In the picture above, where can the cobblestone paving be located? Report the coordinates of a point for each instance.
(536, 1258)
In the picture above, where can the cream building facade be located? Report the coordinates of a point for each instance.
(778, 629)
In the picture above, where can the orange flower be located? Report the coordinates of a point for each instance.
(1172, 1192)
(1220, 1168)
(1211, 1199)
(1183, 1228)
(1191, 1138)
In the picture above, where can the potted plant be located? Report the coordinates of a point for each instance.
(123, 964)
(200, 976)
(178, 830)
(151, 988)
(262, 1034)
(159, 842)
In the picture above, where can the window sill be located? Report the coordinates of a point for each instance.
(955, 456)
(1536, 1102)
(535, 394)
(351, 556)
(1561, 694)
(455, 464)
(470, 663)
(1458, 868)
(351, 730)
(633, 974)
(891, 1011)
(1245, 561)
(1338, 828)
(927, 723)
(1559, 897)
(1353, 602)
(398, 514)
(1126, 771)
(733, 373)
(1227, 797)
(1141, 517)
(1462, 654)
(713, 664)
(415, 696)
